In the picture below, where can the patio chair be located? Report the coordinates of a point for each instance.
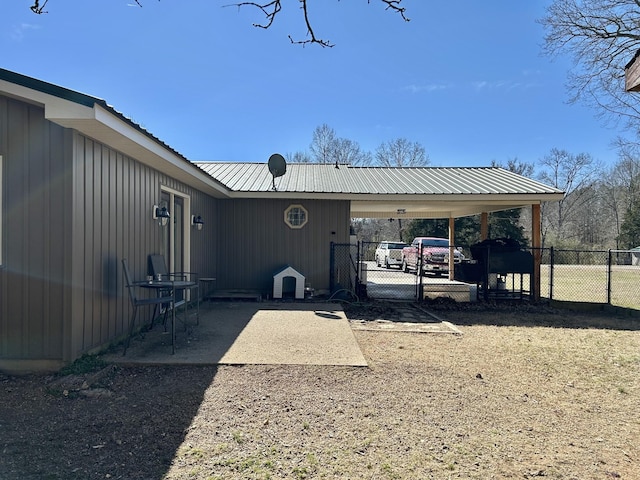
(157, 301)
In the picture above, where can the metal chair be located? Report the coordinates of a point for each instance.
(166, 298)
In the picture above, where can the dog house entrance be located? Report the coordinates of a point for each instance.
(288, 283)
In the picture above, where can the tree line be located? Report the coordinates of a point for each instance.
(600, 210)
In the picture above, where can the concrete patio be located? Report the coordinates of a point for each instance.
(250, 333)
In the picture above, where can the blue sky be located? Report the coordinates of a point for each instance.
(465, 79)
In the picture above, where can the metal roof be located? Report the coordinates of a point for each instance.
(412, 192)
(325, 178)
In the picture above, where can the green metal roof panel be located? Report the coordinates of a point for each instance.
(327, 178)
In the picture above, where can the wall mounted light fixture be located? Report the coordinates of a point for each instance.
(197, 221)
(161, 214)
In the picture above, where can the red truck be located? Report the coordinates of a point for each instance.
(435, 255)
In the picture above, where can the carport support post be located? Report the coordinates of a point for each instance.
(452, 231)
(536, 244)
(484, 226)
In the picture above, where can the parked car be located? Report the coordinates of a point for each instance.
(435, 255)
(389, 253)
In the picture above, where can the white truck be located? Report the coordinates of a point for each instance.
(389, 253)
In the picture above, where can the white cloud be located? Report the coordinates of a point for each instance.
(19, 31)
(432, 87)
(506, 85)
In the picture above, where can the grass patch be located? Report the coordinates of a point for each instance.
(83, 365)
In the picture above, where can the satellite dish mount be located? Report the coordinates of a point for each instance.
(277, 167)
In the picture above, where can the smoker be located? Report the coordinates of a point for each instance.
(494, 262)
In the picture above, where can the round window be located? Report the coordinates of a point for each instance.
(295, 216)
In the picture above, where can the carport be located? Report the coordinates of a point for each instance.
(390, 192)
(439, 193)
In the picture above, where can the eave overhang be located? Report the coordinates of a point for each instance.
(415, 206)
(96, 120)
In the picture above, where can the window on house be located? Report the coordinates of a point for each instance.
(296, 216)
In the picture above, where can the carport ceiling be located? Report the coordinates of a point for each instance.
(429, 208)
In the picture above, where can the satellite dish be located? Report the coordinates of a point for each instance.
(277, 167)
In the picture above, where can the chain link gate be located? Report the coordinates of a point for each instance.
(354, 268)
(344, 268)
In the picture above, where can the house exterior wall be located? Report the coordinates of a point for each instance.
(72, 209)
(35, 275)
(255, 242)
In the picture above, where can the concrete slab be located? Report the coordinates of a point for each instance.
(252, 333)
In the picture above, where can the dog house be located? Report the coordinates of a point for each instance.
(287, 276)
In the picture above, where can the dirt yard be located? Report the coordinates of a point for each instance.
(523, 393)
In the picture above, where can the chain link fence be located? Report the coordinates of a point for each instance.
(580, 276)
(592, 276)
(382, 271)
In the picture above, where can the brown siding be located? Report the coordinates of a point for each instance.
(33, 276)
(255, 242)
(113, 197)
(72, 209)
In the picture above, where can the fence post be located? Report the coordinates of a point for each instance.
(609, 277)
(356, 287)
(332, 267)
(419, 284)
(552, 261)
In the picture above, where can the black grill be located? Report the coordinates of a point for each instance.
(495, 257)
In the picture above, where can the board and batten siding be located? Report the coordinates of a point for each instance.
(72, 209)
(34, 275)
(255, 242)
(113, 197)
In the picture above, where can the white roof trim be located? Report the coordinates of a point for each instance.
(104, 126)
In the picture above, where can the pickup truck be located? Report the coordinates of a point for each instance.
(389, 253)
(435, 255)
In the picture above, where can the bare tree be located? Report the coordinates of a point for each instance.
(620, 187)
(601, 36)
(270, 9)
(298, 157)
(511, 223)
(323, 144)
(401, 153)
(516, 166)
(327, 147)
(575, 175)
(348, 152)
(626, 172)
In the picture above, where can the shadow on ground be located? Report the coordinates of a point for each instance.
(504, 313)
(101, 431)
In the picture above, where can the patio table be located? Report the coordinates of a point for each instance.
(172, 285)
